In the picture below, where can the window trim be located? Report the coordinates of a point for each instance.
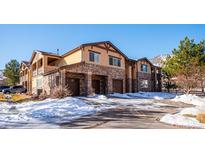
(141, 68)
(95, 53)
(113, 63)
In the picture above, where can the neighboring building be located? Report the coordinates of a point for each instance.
(2, 78)
(25, 75)
(142, 75)
(90, 68)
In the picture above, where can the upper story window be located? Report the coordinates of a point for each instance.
(114, 61)
(144, 68)
(94, 57)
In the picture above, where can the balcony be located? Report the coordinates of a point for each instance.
(40, 70)
(50, 68)
(34, 73)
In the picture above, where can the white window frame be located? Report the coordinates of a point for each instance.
(96, 57)
(144, 68)
(115, 61)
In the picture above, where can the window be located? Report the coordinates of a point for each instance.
(94, 57)
(38, 83)
(114, 61)
(144, 84)
(144, 68)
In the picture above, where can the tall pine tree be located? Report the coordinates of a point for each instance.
(187, 64)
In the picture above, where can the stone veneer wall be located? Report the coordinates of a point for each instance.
(144, 76)
(85, 73)
(93, 69)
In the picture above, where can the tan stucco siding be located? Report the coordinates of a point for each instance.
(73, 58)
(35, 87)
(143, 62)
(104, 56)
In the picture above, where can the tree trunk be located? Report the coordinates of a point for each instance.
(202, 87)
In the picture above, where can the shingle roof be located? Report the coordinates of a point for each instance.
(27, 63)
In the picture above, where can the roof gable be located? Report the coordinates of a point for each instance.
(43, 53)
(25, 63)
(104, 44)
(145, 59)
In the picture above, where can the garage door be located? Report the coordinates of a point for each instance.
(96, 86)
(73, 85)
(117, 86)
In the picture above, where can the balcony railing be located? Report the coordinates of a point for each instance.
(34, 73)
(24, 78)
(40, 70)
(50, 68)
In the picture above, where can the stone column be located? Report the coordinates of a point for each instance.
(124, 85)
(63, 78)
(88, 81)
(130, 79)
(109, 84)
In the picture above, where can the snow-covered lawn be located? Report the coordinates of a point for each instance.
(148, 101)
(45, 114)
(181, 120)
(186, 116)
(51, 113)
(145, 95)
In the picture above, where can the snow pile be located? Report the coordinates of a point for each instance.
(152, 95)
(182, 121)
(100, 99)
(181, 118)
(190, 111)
(45, 114)
(118, 95)
(190, 99)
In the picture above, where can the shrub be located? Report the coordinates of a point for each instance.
(43, 95)
(60, 93)
(201, 117)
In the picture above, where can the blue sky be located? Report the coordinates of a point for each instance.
(136, 41)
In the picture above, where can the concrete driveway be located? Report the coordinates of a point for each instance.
(129, 116)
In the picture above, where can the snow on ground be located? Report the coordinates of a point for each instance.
(125, 100)
(190, 111)
(117, 95)
(190, 99)
(181, 117)
(153, 95)
(181, 121)
(141, 104)
(145, 95)
(45, 114)
(99, 99)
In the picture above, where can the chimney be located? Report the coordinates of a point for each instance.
(57, 51)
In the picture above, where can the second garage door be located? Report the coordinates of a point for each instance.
(73, 85)
(96, 86)
(117, 86)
